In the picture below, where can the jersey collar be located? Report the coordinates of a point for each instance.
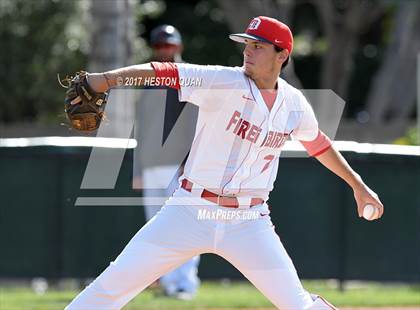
(255, 92)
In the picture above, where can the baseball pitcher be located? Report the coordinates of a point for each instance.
(245, 116)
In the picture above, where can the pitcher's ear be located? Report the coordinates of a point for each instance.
(283, 55)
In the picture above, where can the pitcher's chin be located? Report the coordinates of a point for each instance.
(247, 70)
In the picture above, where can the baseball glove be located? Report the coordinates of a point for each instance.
(83, 106)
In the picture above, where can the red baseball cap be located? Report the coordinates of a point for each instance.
(267, 29)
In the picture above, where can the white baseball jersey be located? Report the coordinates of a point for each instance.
(238, 141)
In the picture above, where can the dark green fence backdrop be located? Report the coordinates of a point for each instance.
(44, 234)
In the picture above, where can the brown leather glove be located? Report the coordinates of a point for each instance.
(83, 106)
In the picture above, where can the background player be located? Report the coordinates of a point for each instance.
(245, 115)
(166, 43)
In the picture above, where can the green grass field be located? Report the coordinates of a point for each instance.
(224, 296)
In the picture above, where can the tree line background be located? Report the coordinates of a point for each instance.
(366, 51)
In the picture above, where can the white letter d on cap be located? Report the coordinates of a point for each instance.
(254, 23)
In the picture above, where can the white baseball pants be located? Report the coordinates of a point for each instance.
(155, 179)
(176, 234)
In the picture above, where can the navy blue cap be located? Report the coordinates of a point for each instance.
(165, 34)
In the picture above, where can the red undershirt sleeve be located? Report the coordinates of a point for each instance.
(168, 72)
(318, 146)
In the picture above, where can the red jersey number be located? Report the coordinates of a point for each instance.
(270, 159)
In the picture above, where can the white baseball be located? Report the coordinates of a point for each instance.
(370, 212)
